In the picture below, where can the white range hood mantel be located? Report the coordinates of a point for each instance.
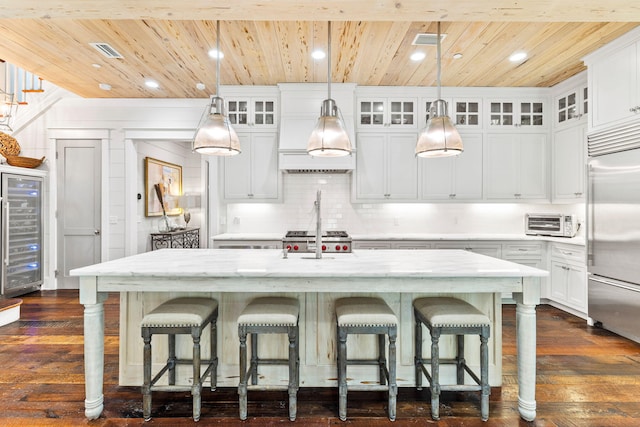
(299, 111)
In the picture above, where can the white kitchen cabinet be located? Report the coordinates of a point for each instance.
(387, 113)
(516, 166)
(509, 114)
(568, 277)
(252, 113)
(489, 249)
(527, 253)
(614, 80)
(371, 244)
(572, 106)
(568, 162)
(386, 167)
(456, 178)
(465, 113)
(253, 174)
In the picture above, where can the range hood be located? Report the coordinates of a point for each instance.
(299, 111)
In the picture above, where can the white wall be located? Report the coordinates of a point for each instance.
(178, 153)
(338, 213)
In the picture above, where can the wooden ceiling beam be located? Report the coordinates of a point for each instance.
(334, 10)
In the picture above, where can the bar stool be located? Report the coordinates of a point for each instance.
(452, 316)
(269, 315)
(366, 315)
(187, 315)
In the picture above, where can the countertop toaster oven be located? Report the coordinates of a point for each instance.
(558, 225)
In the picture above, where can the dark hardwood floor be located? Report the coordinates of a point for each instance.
(586, 377)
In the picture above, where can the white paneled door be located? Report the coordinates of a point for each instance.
(78, 207)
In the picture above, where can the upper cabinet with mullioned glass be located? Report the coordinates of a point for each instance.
(252, 112)
(465, 113)
(572, 106)
(509, 114)
(390, 113)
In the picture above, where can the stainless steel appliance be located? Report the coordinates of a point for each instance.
(303, 241)
(613, 234)
(558, 225)
(21, 234)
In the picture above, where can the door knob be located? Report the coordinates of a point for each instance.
(96, 232)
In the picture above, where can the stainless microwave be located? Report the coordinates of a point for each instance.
(559, 225)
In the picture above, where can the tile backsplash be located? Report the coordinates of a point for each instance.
(338, 213)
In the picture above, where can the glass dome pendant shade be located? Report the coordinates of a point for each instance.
(329, 138)
(439, 138)
(215, 136)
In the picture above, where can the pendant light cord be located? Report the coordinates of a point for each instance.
(438, 62)
(329, 60)
(218, 58)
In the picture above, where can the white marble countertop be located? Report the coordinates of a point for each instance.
(578, 240)
(202, 263)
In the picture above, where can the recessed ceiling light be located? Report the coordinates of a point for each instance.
(104, 86)
(318, 54)
(457, 55)
(518, 56)
(213, 53)
(152, 84)
(418, 56)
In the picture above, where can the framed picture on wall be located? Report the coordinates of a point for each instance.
(163, 187)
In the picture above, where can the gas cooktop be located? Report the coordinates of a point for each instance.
(304, 241)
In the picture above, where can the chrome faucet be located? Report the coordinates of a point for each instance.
(318, 227)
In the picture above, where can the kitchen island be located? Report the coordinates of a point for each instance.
(235, 276)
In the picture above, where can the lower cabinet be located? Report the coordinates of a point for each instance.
(568, 277)
(530, 254)
(490, 249)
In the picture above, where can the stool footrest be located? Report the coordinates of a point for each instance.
(182, 387)
(460, 387)
(272, 361)
(267, 387)
(368, 387)
(363, 362)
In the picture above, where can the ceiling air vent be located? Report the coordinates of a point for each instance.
(107, 50)
(427, 39)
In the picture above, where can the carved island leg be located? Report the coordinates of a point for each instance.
(93, 346)
(526, 343)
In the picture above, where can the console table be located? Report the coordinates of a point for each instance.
(187, 238)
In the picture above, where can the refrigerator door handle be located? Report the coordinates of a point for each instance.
(609, 282)
(589, 209)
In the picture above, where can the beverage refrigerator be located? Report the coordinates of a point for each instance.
(22, 220)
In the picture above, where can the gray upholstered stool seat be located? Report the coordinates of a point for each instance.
(452, 316)
(366, 315)
(187, 315)
(269, 315)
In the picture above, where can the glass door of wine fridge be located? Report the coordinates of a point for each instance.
(21, 234)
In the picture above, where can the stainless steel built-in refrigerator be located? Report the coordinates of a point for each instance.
(21, 234)
(613, 231)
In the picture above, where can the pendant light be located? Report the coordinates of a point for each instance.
(214, 134)
(440, 137)
(329, 138)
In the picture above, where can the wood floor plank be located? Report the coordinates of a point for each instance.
(586, 377)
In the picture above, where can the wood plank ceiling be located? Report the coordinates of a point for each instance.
(270, 42)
